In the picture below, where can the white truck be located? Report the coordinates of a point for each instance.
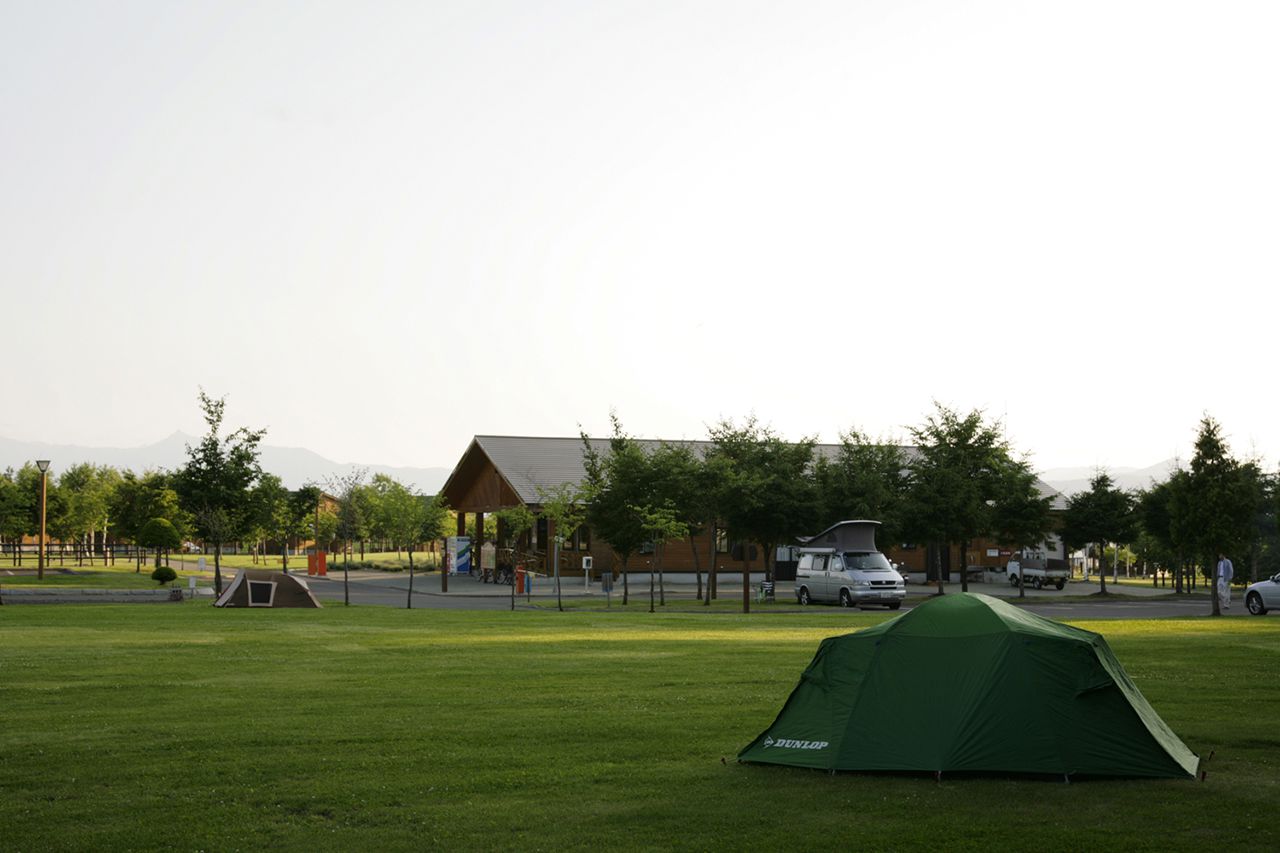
(1032, 567)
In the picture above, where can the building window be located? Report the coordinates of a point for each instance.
(584, 538)
(539, 533)
(722, 541)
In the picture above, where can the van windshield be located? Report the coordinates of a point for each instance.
(866, 561)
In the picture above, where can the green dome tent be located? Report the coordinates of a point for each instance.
(967, 683)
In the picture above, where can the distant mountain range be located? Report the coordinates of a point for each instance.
(1069, 481)
(295, 466)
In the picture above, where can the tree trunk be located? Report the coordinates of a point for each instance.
(1213, 589)
(409, 602)
(217, 569)
(652, 560)
(697, 568)
(559, 602)
(711, 572)
(626, 589)
(1102, 565)
(346, 564)
(937, 567)
(964, 566)
(658, 553)
(746, 577)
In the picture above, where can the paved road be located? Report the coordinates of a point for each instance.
(391, 590)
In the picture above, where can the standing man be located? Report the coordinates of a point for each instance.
(1225, 573)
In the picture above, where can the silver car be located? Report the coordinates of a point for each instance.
(1263, 595)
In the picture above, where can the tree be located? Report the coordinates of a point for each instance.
(683, 483)
(351, 520)
(160, 534)
(515, 521)
(268, 515)
(1100, 515)
(1020, 516)
(866, 479)
(214, 485)
(15, 511)
(87, 490)
(660, 525)
(1222, 495)
(614, 483)
(565, 508)
(767, 493)
(407, 518)
(138, 499)
(962, 481)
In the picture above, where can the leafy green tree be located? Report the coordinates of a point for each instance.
(1102, 514)
(865, 479)
(615, 482)
(963, 484)
(1020, 516)
(297, 516)
(515, 522)
(1152, 509)
(25, 518)
(407, 518)
(565, 507)
(660, 525)
(683, 483)
(87, 495)
(767, 491)
(214, 485)
(160, 534)
(267, 516)
(1222, 495)
(138, 499)
(351, 518)
(15, 512)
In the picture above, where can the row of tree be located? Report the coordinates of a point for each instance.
(1218, 505)
(220, 496)
(960, 481)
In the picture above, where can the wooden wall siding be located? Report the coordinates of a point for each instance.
(484, 491)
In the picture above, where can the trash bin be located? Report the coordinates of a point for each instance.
(519, 580)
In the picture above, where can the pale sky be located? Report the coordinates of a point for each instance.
(381, 228)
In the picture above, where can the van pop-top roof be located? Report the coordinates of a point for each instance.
(857, 535)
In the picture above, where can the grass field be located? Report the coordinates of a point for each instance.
(363, 728)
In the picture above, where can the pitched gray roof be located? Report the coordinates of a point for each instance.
(547, 463)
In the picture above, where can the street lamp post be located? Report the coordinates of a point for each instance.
(43, 465)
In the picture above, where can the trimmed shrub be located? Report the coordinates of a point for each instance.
(164, 575)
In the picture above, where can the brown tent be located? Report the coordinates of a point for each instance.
(259, 588)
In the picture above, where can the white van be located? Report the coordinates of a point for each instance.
(843, 564)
